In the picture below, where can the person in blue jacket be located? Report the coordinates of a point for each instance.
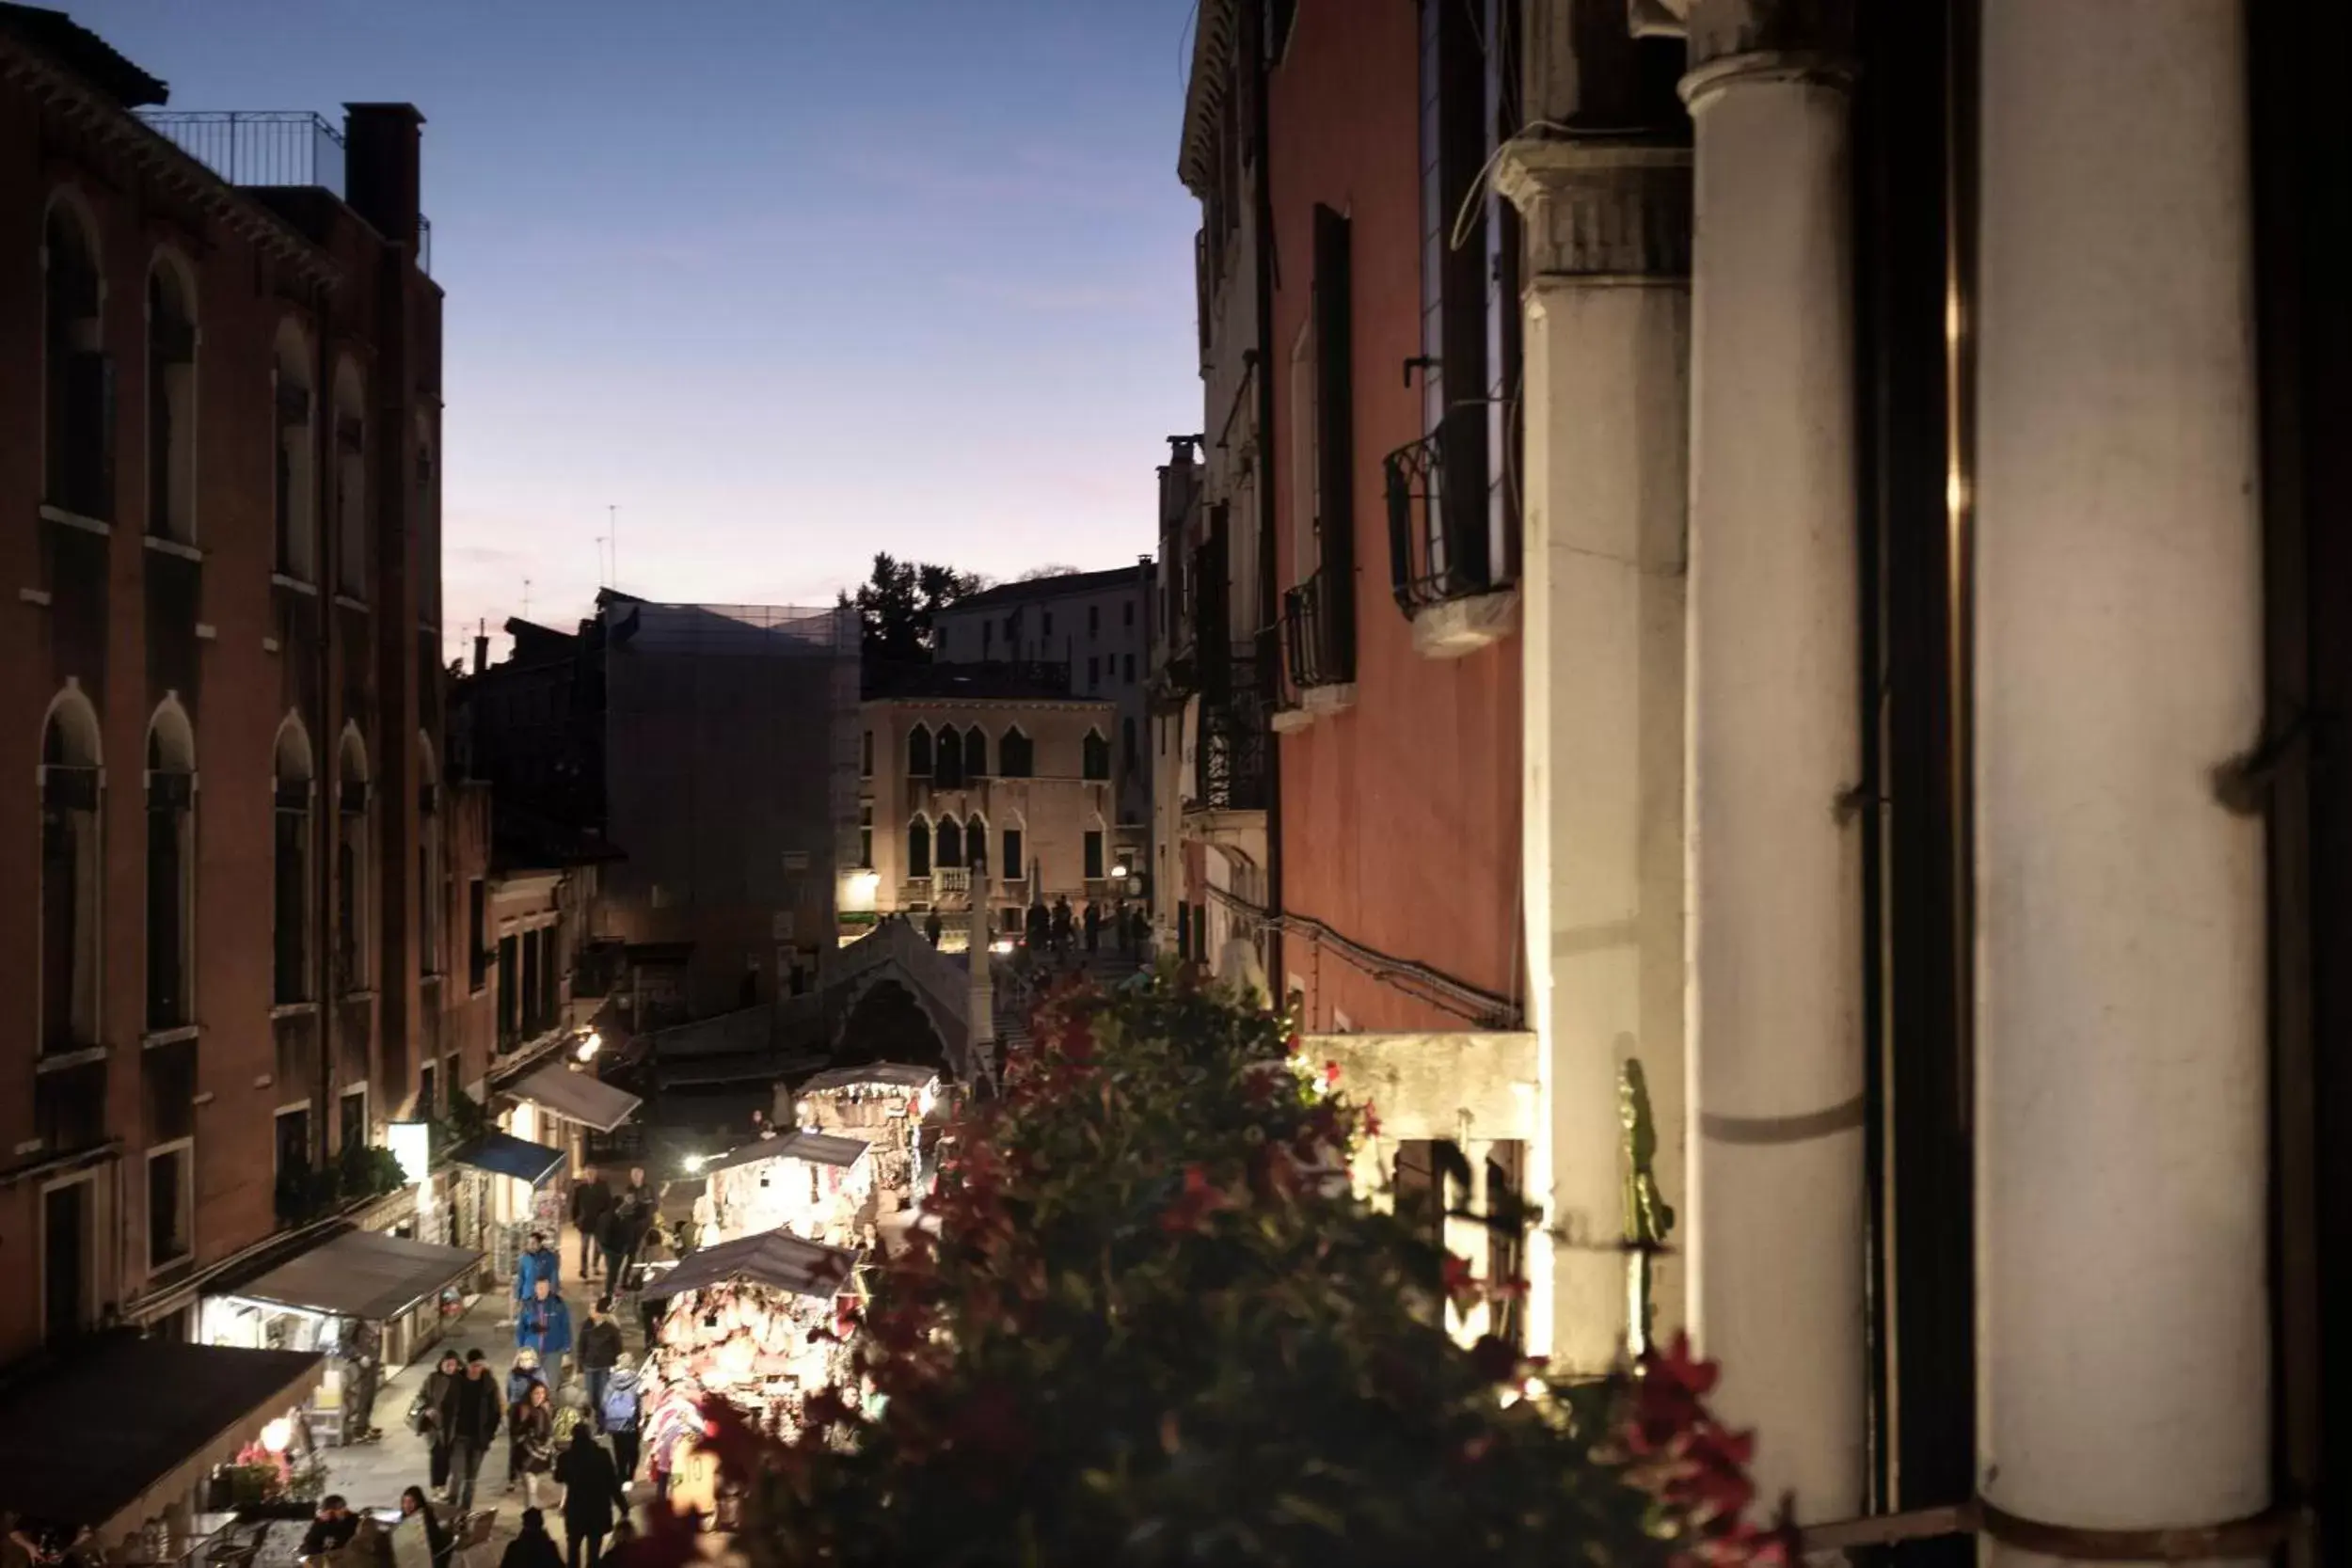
(539, 1261)
(543, 1323)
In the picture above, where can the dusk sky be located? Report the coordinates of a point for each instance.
(786, 282)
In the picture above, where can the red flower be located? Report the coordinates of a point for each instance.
(1330, 1075)
(1461, 1286)
(1191, 1208)
(1369, 1120)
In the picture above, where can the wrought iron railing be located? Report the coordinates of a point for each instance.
(1318, 636)
(1439, 546)
(1235, 735)
(269, 146)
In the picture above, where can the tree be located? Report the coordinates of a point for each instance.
(1156, 1326)
(1039, 573)
(896, 602)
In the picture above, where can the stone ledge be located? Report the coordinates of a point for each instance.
(1452, 628)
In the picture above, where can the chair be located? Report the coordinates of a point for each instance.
(472, 1550)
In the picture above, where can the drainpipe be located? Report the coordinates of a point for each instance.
(1268, 469)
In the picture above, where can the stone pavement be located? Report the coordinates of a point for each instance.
(373, 1474)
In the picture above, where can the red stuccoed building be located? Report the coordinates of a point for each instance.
(226, 914)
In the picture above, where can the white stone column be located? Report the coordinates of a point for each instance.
(2122, 1313)
(1776, 1225)
(1607, 419)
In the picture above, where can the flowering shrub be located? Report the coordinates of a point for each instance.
(1156, 1328)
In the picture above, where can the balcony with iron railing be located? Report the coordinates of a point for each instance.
(269, 149)
(1449, 544)
(1235, 736)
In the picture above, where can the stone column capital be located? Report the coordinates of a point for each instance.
(1599, 207)
(1736, 41)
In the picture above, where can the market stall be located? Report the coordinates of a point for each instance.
(308, 1303)
(817, 1185)
(886, 1103)
(737, 1320)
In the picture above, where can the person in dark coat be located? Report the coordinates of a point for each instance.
(593, 1498)
(591, 1199)
(428, 1413)
(1094, 927)
(534, 1547)
(1061, 923)
(332, 1530)
(600, 1348)
(519, 1382)
(932, 928)
(1039, 925)
(471, 1417)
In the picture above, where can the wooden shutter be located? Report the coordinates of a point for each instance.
(1335, 429)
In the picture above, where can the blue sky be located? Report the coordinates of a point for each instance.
(786, 281)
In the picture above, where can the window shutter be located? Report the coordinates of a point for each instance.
(1335, 427)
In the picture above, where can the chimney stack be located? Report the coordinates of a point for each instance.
(481, 651)
(382, 176)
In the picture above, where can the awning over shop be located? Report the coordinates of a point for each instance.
(582, 1097)
(110, 1432)
(503, 1154)
(362, 1274)
(902, 1075)
(776, 1258)
(820, 1149)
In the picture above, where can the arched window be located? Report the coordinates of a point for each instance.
(296, 489)
(289, 880)
(976, 844)
(1097, 756)
(918, 847)
(170, 401)
(352, 879)
(170, 868)
(78, 402)
(1016, 757)
(919, 751)
(432, 889)
(350, 483)
(974, 754)
(947, 765)
(950, 842)
(70, 888)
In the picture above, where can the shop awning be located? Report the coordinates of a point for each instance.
(582, 1097)
(362, 1274)
(776, 1258)
(111, 1432)
(900, 1075)
(503, 1154)
(817, 1149)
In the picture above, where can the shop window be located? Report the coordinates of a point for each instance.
(296, 490)
(919, 751)
(78, 404)
(974, 754)
(1095, 854)
(1015, 864)
(70, 875)
(353, 878)
(918, 849)
(950, 842)
(351, 484)
(171, 869)
(1016, 758)
(1097, 756)
(170, 402)
(170, 1203)
(290, 914)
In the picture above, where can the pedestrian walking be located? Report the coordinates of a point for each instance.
(639, 1205)
(622, 1411)
(1093, 926)
(537, 1263)
(932, 928)
(524, 1377)
(545, 1325)
(530, 1428)
(592, 1499)
(591, 1199)
(534, 1547)
(1061, 923)
(428, 1414)
(599, 1348)
(472, 1417)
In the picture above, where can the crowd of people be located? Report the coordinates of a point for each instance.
(569, 1406)
(1055, 928)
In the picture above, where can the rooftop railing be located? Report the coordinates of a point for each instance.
(265, 146)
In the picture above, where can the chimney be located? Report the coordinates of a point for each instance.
(382, 178)
(481, 651)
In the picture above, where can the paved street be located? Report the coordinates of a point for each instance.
(372, 1475)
